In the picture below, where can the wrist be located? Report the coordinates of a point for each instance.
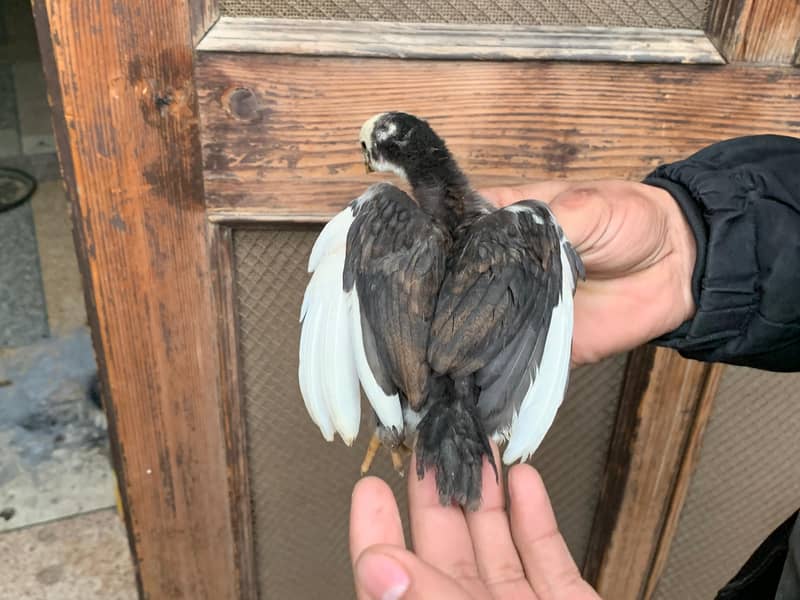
(685, 247)
(686, 238)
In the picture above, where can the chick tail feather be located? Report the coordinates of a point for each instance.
(451, 439)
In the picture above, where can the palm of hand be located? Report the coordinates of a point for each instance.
(638, 252)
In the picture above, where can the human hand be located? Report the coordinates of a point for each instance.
(462, 556)
(639, 255)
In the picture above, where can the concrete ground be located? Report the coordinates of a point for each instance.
(80, 558)
(60, 536)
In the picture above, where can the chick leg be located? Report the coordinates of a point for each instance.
(399, 456)
(372, 450)
(395, 443)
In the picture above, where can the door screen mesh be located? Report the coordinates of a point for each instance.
(747, 482)
(629, 13)
(301, 485)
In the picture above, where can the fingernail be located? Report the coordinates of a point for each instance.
(382, 577)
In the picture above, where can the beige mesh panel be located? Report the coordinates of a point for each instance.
(631, 13)
(746, 483)
(301, 485)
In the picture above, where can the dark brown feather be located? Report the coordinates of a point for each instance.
(396, 258)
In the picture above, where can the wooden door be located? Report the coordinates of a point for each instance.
(202, 152)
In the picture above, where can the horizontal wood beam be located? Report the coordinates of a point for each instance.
(757, 31)
(280, 133)
(459, 42)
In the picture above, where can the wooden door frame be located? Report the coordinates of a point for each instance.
(121, 86)
(156, 263)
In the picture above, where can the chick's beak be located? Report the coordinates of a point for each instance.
(367, 164)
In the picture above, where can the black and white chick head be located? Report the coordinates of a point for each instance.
(402, 144)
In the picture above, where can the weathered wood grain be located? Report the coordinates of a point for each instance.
(221, 251)
(203, 14)
(640, 365)
(280, 133)
(757, 31)
(689, 460)
(646, 456)
(461, 42)
(120, 81)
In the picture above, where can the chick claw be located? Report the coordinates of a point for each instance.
(398, 459)
(398, 455)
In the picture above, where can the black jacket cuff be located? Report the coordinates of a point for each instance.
(725, 277)
(741, 199)
(694, 217)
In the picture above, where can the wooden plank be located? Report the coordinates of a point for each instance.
(641, 362)
(203, 14)
(459, 42)
(280, 133)
(121, 88)
(221, 251)
(757, 31)
(688, 463)
(644, 461)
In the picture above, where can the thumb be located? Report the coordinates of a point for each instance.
(584, 214)
(391, 573)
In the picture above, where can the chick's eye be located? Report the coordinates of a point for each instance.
(364, 146)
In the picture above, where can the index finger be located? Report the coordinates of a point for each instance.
(374, 520)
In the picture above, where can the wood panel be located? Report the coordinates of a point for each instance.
(688, 464)
(203, 14)
(222, 266)
(658, 411)
(120, 82)
(641, 363)
(758, 31)
(280, 133)
(460, 42)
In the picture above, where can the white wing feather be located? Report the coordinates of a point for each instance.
(332, 238)
(332, 355)
(327, 373)
(386, 406)
(338, 373)
(541, 402)
(310, 387)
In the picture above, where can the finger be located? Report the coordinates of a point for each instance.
(374, 516)
(440, 533)
(390, 573)
(498, 562)
(543, 191)
(548, 564)
(374, 519)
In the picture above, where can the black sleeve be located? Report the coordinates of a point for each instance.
(741, 198)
